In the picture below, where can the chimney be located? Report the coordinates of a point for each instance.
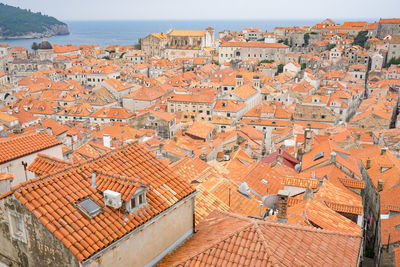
(308, 194)
(368, 163)
(107, 140)
(283, 196)
(333, 157)
(307, 140)
(203, 155)
(383, 151)
(279, 159)
(246, 146)
(380, 185)
(94, 180)
(358, 136)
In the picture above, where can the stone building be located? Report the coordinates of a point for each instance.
(187, 43)
(153, 44)
(45, 51)
(201, 104)
(388, 26)
(163, 122)
(242, 51)
(132, 216)
(394, 47)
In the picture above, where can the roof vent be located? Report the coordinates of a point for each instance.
(112, 199)
(244, 189)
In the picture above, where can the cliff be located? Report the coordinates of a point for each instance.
(18, 23)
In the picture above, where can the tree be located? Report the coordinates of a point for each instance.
(286, 41)
(267, 61)
(303, 66)
(367, 45)
(306, 39)
(280, 68)
(361, 38)
(331, 46)
(35, 46)
(138, 46)
(393, 61)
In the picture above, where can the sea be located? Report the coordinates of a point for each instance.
(106, 33)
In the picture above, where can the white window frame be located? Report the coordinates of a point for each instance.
(140, 192)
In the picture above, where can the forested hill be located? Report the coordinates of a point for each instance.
(21, 23)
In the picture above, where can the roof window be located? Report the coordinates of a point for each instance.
(138, 200)
(89, 207)
(319, 156)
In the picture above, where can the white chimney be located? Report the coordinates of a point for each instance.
(244, 189)
(94, 185)
(107, 140)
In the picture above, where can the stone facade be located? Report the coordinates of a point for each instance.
(371, 204)
(243, 51)
(33, 244)
(153, 44)
(388, 26)
(165, 129)
(182, 43)
(394, 47)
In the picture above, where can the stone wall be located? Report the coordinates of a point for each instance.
(39, 248)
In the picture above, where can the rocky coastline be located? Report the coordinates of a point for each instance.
(57, 29)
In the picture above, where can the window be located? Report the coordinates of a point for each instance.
(89, 207)
(138, 200)
(5, 169)
(133, 202)
(17, 226)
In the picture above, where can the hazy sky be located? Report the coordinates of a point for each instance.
(210, 9)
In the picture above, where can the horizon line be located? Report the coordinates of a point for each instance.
(219, 19)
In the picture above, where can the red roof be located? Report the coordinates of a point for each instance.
(253, 44)
(53, 198)
(227, 239)
(19, 146)
(288, 159)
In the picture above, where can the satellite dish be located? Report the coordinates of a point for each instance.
(297, 167)
(271, 202)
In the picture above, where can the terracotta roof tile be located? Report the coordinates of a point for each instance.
(225, 239)
(53, 198)
(15, 147)
(44, 164)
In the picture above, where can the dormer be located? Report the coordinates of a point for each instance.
(137, 201)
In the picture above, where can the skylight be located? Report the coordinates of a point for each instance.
(319, 155)
(89, 207)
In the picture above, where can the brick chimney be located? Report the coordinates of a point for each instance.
(308, 194)
(307, 140)
(380, 185)
(283, 196)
